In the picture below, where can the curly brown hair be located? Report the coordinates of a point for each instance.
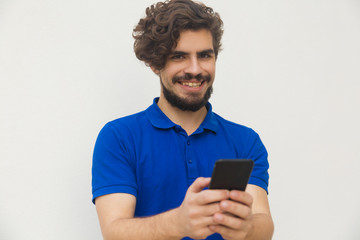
(157, 33)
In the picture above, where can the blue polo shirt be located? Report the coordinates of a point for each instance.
(152, 158)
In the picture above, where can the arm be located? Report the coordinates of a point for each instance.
(249, 217)
(263, 226)
(191, 218)
(116, 217)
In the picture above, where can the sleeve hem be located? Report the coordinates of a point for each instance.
(113, 189)
(259, 182)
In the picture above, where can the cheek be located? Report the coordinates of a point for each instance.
(170, 73)
(209, 67)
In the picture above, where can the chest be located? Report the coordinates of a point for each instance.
(167, 163)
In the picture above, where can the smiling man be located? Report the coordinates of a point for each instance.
(188, 75)
(151, 170)
(187, 78)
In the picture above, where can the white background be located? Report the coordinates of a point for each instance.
(289, 69)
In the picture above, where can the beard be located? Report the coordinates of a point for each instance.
(190, 103)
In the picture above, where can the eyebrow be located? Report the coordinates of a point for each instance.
(208, 51)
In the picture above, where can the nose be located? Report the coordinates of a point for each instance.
(193, 66)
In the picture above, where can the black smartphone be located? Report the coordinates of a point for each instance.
(231, 174)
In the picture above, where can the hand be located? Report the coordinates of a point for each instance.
(197, 211)
(236, 222)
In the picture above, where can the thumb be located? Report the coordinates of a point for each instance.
(199, 184)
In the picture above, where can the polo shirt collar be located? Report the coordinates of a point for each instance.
(210, 122)
(159, 120)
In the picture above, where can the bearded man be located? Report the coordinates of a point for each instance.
(151, 170)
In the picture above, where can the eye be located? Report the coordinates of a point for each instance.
(177, 57)
(205, 55)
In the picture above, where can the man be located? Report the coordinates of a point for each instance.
(151, 170)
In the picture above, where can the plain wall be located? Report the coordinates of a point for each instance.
(289, 69)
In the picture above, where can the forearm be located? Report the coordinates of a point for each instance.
(262, 227)
(161, 226)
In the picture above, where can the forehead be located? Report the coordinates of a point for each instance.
(194, 41)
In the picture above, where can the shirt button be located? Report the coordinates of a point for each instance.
(190, 161)
(188, 142)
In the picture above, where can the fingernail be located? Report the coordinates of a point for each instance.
(218, 217)
(234, 194)
(224, 204)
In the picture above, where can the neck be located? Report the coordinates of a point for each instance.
(188, 120)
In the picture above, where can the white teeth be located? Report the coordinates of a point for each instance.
(190, 84)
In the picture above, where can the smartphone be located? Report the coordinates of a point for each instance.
(231, 174)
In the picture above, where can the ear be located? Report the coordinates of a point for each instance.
(157, 72)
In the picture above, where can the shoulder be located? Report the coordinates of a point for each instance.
(232, 127)
(129, 122)
(123, 128)
(238, 134)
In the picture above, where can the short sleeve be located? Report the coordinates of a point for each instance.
(258, 153)
(113, 168)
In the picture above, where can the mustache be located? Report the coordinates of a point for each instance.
(189, 76)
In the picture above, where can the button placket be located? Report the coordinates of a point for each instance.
(191, 166)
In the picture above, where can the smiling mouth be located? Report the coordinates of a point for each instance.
(191, 84)
(191, 80)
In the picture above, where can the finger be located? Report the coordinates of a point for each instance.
(222, 230)
(235, 208)
(199, 184)
(209, 220)
(202, 224)
(228, 233)
(230, 227)
(201, 229)
(242, 197)
(211, 209)
(229, 221)
(211, 196)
